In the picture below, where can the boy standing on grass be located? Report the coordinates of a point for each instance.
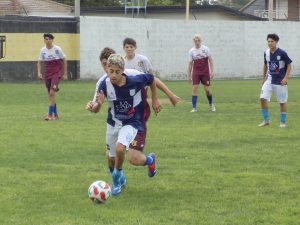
(141, 63)
(126, 116)
(200, 70)
(55, 66)
(276, 70)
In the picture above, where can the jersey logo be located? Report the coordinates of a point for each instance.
(123, 106)
(141, 64)
(134, 143)
(124, 110)
(274, 67)
(278, 57)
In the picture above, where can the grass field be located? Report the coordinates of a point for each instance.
(213, 168)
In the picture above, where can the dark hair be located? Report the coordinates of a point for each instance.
(48, 35)
(106, 52)
(275, 37)
(129, 41)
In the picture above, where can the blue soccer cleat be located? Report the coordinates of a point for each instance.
(123, 180)
(152, 166)
(116, 183)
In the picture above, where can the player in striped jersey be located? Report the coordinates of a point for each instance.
(126, 116)
(94, 107)
(55, 68)
(276, 70)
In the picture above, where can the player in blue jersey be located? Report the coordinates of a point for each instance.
(126, 116)
(94, 107)
(276, 70)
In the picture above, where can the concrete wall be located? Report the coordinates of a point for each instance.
(237, 46)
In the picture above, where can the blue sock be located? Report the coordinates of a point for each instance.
(194, 101)
(209, 97)
(282, 117)
(118, 172)
(51, 109)
(265, 114)
(149, 160)
(55, 110)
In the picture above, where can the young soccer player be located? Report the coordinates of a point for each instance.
(200, 70)
(55, 66)
(141, 63)
(94, 107)
(126, 116)
(276, 70)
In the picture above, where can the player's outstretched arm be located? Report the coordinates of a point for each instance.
(100, 98)
(155, 102)
(173, 98)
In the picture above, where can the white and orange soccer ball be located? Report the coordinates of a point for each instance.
(99, 191)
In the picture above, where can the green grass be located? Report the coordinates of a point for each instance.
(213, 168)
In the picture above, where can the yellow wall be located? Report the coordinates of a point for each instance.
(26, 46)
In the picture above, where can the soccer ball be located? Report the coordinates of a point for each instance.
(99, 191)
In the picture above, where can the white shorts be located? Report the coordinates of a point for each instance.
(281, 92)
(118, 134)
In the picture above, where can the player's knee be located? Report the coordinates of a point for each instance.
(120, 148)
(52, 93)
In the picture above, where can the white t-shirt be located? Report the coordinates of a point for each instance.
(53, 59)
(139, 62)
(53, 53)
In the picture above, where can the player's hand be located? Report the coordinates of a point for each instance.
(89, 105)
(40, 76)
(212, 74)
(174, 99)
(100, 97)
(156, 106)
(284, 82)
(65, 77)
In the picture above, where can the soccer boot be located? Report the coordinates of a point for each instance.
(152, 166)
(212, 108)
(49, 117)
(264, 123)
(282, 125)
(193, 110)
(116, 183)
(123, 180)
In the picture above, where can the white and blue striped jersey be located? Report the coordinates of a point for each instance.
(128, 72)
(126, 103)
(276, 63)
